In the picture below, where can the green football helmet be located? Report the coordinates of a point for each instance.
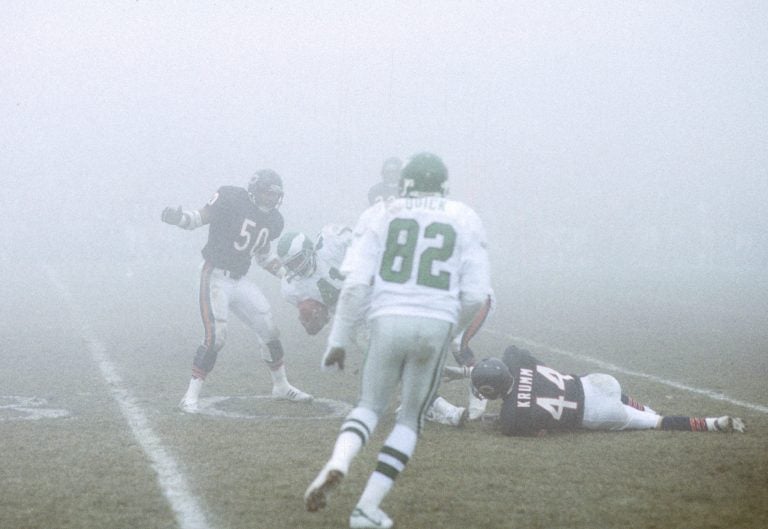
(297, 254)
(425, 173)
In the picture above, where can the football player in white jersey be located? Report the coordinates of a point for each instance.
(419, 264)
(312, 284)
(313, 281)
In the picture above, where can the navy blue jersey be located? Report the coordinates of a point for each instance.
(540, 398)
(238, 230)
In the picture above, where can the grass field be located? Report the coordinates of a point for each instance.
(95, 361)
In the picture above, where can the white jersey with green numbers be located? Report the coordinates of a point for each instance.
(324, 284)
(418, 254)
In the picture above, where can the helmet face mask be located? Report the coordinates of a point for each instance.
(266, 189)
(297, 254)
(424, 174)
(491, 379)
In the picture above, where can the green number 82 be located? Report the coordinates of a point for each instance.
(399, 257)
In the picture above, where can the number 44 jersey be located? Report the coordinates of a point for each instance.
(419, 254)
(540, 397)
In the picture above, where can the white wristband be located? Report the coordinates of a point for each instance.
(190, 219)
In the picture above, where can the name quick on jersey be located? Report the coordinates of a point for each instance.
(433, 203)
(524, 388)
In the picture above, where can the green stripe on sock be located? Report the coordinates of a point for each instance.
(397, 454)
(388, 470)
(366, 431)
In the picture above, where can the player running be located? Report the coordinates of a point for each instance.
(420, 265)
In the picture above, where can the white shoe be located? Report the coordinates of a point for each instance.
(460, 418)
(288, 392)
(369, 519)
(443, 412)
(188, 405)
(316, 496)
(730, 424)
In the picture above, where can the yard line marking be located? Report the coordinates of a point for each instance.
(714, 395)
(187, 511)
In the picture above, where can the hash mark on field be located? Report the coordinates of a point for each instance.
(172, 482)
(714, 395)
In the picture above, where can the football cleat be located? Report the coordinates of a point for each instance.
(729, 424)
(463, 417)
(316, 496)
(369, 519)
(290, 393)
(443, 412)
(188, 405)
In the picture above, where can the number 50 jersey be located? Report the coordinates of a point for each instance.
(419, 254)
(238, 230)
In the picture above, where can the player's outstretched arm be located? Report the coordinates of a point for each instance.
(186, 219)
(451, 373)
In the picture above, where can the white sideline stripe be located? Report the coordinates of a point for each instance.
(714, 395)
(172, 482)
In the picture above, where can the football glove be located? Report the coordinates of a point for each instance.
(333, 359)
(172, 215)
(456, 372)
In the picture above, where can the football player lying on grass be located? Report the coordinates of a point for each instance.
(538, 399)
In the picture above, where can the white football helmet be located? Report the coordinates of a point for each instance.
(297, 254)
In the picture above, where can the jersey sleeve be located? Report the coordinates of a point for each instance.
(515, 357)
(362, 255)
(219, 202)
(332, 243)
(475, 269)
(289, 292)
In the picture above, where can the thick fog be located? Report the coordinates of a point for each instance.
(588, 135)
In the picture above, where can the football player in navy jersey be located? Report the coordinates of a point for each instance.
(389, 186)
(242, 223)
(538, 399)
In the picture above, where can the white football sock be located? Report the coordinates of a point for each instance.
(355, 432)
(394, 455)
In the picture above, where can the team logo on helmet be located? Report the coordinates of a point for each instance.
(266, 189)
(297, 254)
(491, 379)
